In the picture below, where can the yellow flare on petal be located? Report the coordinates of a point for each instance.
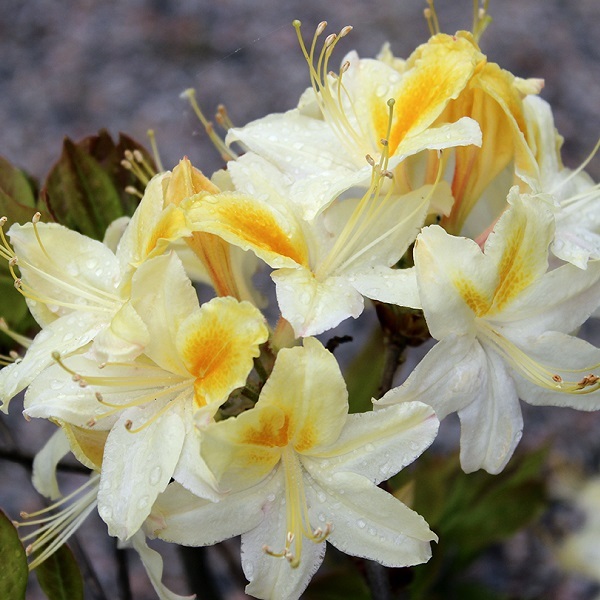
(217, 344)
(442, 68)
(243, 221)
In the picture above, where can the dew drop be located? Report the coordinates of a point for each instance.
(142, 502)
(155, 475)
(361, 524)
(322, 497)
(372, 531)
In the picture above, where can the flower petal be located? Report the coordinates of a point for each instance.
(378, 444)
(369, 522)
(492, 425)
(137, 466)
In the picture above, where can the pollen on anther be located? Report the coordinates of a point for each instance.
(330, 39)
(128, 424)
(346, 30)
(3, 221)
(557, 378)
(36, 218)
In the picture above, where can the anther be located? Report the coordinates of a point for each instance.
(3, 221)
(320, 27)
(128, 424)
(13, 261)
(126, 165)
(330, 39)
(128, 155)
(99, 397)
(557, 378)
(133, 191)
(91, 422)
(346, 30)
(370, 160)
(588, 380)
(138, 156)
(344, 67)
(36, 218)
(18, 284)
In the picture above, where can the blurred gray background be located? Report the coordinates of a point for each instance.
(71, 68)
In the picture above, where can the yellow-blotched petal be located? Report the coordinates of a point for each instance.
(217, 344)
(440, 71)
(253, 225)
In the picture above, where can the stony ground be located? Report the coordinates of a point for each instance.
(70, 68)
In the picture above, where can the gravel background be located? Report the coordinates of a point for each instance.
(70, 68)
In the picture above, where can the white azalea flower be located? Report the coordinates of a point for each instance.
(325, 267)
(322, 145)
(195, 357)
(78, 289)
(503, 322)
(298, 471)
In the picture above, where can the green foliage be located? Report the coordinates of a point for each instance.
(340, 584)
(59, 576)
(364, 374)
(13, 574)
(469, 512)
(85, 190)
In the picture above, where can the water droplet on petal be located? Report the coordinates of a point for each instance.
(155, 475)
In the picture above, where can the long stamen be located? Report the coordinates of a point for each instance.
(101, 300)
(578, 170)
(225, 152)
(538, 373)
(297, 520)
(17, 337)
(152, 137)
(56, 528)
(330, 103)
(432, 18)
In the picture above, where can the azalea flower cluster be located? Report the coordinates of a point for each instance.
(430, 184)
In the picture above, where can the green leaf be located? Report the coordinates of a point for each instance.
(470, 512)
(364, 374)
(59, 576)
(85, 190)
(338, 585)
(14, 572)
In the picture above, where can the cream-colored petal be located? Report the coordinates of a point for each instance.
(218, 343)
(307, 385)
(252, 224)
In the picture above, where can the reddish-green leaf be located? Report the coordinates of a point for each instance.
(85, 190)
(13, 574)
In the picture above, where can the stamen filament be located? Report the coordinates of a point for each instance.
(536, 372)
(580, 168)
(225, 152)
